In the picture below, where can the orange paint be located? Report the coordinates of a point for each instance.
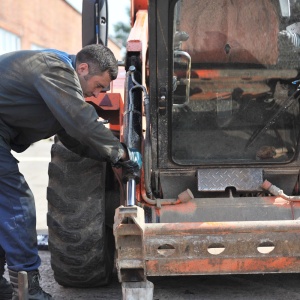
(183, 208)
(223, 266)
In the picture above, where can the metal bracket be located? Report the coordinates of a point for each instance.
(129, 236)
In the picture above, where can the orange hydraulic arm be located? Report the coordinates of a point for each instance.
(137, 5)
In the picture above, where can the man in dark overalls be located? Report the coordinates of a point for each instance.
(42, 94)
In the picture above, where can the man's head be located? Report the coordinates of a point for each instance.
(96, 67)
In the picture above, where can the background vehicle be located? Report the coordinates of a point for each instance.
(211, 98)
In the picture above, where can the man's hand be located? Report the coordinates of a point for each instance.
(135, 156)
(131, 164)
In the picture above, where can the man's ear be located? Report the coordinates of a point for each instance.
(83, 69)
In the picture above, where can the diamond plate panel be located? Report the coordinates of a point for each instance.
(219, 179)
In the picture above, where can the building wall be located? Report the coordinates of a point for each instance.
(44, 23)
(115, 48)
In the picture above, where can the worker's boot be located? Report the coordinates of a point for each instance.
(35, 292)
(5, 286)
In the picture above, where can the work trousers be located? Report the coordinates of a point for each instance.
(18, 238)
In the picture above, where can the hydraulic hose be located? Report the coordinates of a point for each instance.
(147, 157)
(147, 193)
(274, 190)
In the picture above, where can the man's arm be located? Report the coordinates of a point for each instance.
(80, 149)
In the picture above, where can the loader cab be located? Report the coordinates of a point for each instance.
(231, 97)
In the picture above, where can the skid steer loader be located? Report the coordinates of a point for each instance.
(210, 96)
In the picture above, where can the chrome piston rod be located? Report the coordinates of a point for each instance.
(130, 192)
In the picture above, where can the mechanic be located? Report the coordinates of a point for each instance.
(42, 94)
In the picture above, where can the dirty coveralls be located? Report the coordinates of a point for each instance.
(40, 96)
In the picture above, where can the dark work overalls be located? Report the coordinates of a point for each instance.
(40, 96)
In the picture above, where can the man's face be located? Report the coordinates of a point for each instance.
(92, 85)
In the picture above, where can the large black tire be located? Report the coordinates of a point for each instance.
(81, 246)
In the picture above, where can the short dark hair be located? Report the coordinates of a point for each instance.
(99, 59)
